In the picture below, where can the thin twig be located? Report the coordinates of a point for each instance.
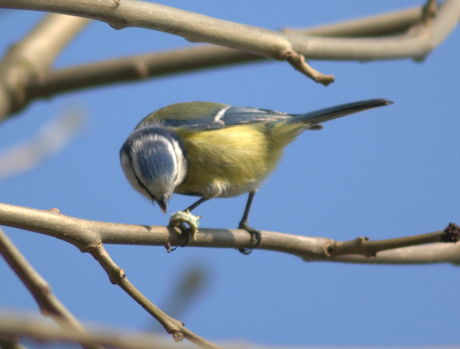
(118, 277)
(367, 248)
(38, 287)
(390, 23)
(85, 235)
(50, 305)
(298, 63)
(413, 44)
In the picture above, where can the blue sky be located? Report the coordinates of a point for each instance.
(385, 173)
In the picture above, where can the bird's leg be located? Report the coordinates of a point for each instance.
(244, 225)
(196, 204)
(180, 218)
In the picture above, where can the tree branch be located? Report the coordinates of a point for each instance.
(37, 329)
(140, 67)
(92, 244)
(87, 235)
(30, 59)
(158, 64)
(40, 330)
(10, 342)
(118, 277)
(199, 28)
(378, 25)
(416, 43)
(429, 12)
(39, 288)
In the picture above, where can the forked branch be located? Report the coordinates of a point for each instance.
(87, 235)
(195, 27)
(402, 34)
(49, 304)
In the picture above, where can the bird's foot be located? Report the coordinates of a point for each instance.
(180, 218)
(254, 234)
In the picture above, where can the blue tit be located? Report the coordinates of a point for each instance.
(214, 150)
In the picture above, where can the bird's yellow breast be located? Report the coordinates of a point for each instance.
(234, 160)
(227, 160)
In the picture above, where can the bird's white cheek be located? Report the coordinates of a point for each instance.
(181, 163)
(130, 176)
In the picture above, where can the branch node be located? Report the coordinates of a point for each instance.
(54, 210)
(451, 233)
(94, 250)
(355, 246)
(329, 248)
(115, 23)
(141, 68)
(298, 63)
(429, 12)
(177, 336)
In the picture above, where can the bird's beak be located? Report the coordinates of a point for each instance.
(163, 203)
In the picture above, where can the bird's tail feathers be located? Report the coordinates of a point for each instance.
(323, 115)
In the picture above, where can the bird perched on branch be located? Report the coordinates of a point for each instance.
(213, 150)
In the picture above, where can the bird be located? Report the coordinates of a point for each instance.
(214, 150)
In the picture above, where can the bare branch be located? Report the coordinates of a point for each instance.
(415, 44)
(43, 331)
(37, 329)
(31, 58)
(378, 25)
(134, 68)
(87, 235)
(189, 285)
(50, 140)
(118, 277)
(366, 248)
(50, 305)
(191, 26)
(158, 64)
(10, 342)
(195, 27)
(298, 62)
(429, 12)
(38, 287)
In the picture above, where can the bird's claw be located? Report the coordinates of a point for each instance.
(254, 234)
(180, 218)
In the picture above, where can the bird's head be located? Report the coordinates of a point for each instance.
(153, 160)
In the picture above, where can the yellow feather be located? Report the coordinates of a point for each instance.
(234, 157)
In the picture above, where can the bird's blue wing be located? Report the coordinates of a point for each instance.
(209, 116)
(227, 117)
(213, 116)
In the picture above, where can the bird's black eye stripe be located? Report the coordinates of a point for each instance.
(138, 179)
(143, 186)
